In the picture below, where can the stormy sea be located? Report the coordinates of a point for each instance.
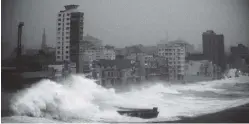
(78, 99)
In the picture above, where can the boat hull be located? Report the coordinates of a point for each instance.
(140, 113)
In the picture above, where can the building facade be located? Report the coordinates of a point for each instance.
(69, 35)
(175, 54)
(239, 57)
(156, 68)
(111, 73)
(213, 48)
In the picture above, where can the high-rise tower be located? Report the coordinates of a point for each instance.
(69, 35)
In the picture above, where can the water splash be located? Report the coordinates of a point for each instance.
(80, 99)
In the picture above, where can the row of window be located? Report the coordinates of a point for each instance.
(60, 47)
(59, 19)
(67, 28)
(174, 63)
(59, 52)
(165, 54)
(62, 38)
(171, 50)
(59, 24)
(68, 14)
(59, 57)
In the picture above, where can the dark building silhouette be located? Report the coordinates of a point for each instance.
(239, 57)
(240, 50)
(213, 48)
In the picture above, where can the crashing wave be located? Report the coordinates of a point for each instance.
(78, 99)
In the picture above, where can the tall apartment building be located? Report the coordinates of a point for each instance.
(213, 48)
(69, 34)
(175, 54)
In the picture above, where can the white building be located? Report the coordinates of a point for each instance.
(94, 54)
(69, 34)
(175, 54)
(100, 53)
(109, 54)
(58, 68)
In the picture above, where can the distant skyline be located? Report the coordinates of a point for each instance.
(129, 22)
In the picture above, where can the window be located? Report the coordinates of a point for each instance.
(59, 24)
(59, 15)
(68, 14)
(59, 19)
(67, 28)
(58, 47)
(67, 18)
(67, 47)
(58, 57)
(59, 29)
(68, 23)
(58, 52)
(58, 38)
(67, 37)
(67, 32)
(58, 42)
(66, 57)
(66, 51)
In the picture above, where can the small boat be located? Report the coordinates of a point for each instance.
(140, 113)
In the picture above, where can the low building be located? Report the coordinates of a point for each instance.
(156, 68)
(175, 54)
(199, 68)
(239, 57)
(111, 73)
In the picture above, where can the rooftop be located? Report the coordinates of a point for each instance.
(196, 57)
(72, 6)
(38, 74)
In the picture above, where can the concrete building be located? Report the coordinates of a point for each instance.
(156, 68)
(138, 57)
(111, 73)
(69, 35)
(189, 48)
(58, 69)
(94, 54)
(175, 54)
(239, 57)
(199, 68)
(100, 53)
(213, 48)
(109, 54)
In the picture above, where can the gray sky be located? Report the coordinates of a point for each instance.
(127, 22)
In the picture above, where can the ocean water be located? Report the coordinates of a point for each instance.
(78, 99)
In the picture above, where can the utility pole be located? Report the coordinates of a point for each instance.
(19, 45)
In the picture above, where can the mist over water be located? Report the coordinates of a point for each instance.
(78, 99)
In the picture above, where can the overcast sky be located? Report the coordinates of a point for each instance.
(127, 22)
